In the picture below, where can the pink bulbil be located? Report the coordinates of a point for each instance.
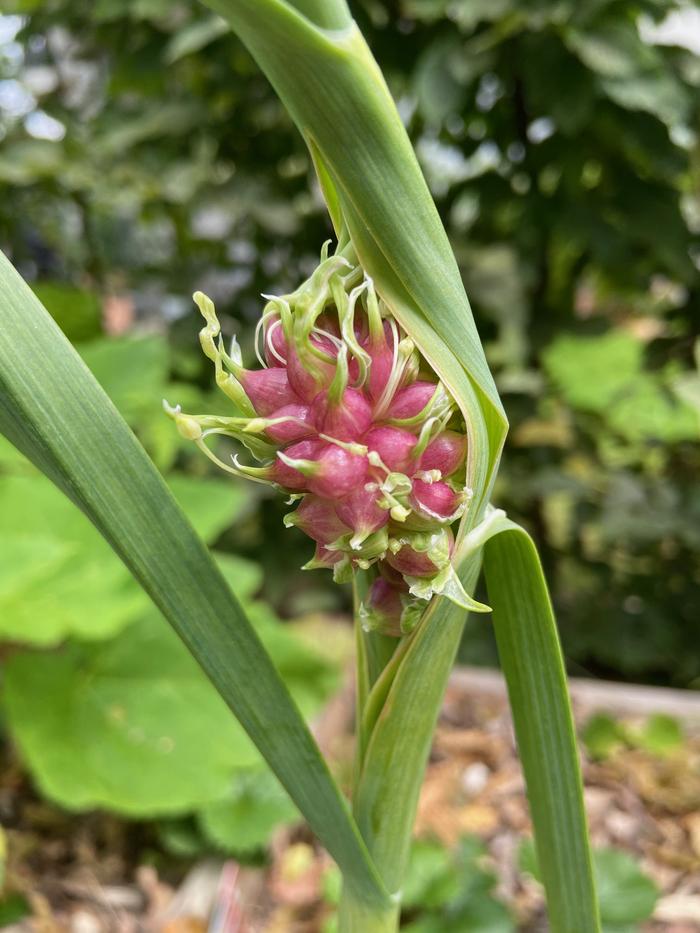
(414, 563)
(338, 472)
(430, 499)
(394, 446)
(411, 400)
(446, 452)
(274, 336)
(297, 426)
(385, 605)
(347, 419)
(319, 520)
(360, 511)
(289, 477)
(310, 374)
(268, 389)
(381, 351)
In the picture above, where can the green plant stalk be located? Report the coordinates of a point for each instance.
(394, 763)
(356, 916)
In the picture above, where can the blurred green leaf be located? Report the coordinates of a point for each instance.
(451, 891)
(613, 48)
(591, 372)
(130, 724)
(626, 895)
(439, 88)
(131, 370)
(660, 735)
(193, 37)
(430, 878)
(30, 160)
(603, 736)
(243, 576)
(244, 820)
(164, 119)
(212, 505)
(70, 582)
(60, 578)
(76, 311)
(134, 725)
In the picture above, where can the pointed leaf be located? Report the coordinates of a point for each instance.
(531, 659)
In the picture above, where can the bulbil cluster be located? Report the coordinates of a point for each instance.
(348, 419)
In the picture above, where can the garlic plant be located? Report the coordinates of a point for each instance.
(375, 410)
(350, 420)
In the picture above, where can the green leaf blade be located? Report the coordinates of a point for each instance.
(532, 663)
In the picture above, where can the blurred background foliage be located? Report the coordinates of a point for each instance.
(143, 155)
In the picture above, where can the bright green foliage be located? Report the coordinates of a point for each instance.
(603, 736)
(61, 578)
(450, 892)
(605, 375)
(592, 373)
(77, 312)
(627, 896)
(243, 821)
(132, 724)
(660, 735)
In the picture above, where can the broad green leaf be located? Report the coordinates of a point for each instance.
(244, 820)
(77, 312)
(53, 410)
(648, 410)
(531, 659)
(243, 576)
(451, 891)
(660, 735)
(429, 878)
(70, 582)
(604, 375)
(130, 724)
(212, 505)
(603, 736)
(627, 896)
(78, 586)
(131, 370)
(591, 372)
(134, 725)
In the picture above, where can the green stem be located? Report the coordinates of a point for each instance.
(356, 916)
